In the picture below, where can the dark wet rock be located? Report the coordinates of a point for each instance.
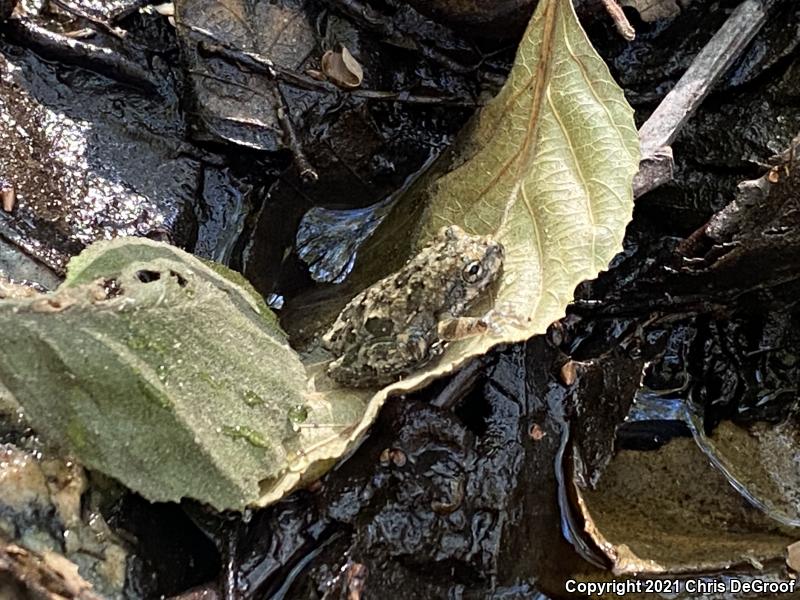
(83, 165)
(501, 20)
(442, 511)
(92, 158)
(41, 512)
(726, 305)
(748, 257)
(750, 370)
(231, 104)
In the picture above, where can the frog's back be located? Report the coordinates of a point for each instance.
(392, 327)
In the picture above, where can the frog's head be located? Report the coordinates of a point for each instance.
(480, 257)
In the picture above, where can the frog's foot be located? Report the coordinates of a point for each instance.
(333, 367)
(355, 377)
(451, 329)
(495, 322)
(502, 318)
(380, 362)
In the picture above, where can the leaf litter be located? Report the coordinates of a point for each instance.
(206, 393)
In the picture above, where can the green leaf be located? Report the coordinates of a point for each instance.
(546, 167)
(156, 370)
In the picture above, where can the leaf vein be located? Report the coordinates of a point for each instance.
(578, 171)
(590, 84)
(537, 236)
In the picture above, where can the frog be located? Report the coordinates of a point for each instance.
(397, 325)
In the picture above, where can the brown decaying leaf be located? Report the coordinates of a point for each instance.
(342, 69)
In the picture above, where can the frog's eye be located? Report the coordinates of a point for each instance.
(472, 272)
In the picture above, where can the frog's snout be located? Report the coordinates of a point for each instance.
(493, 256)
(498, 249)
(496, 253)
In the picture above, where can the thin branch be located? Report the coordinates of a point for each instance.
(258, 63)
(621, 22)
(705, 71)
(654, 170)
(385, 27)
(307, 172)
(101, 23)
(83, 54)
(678, 106)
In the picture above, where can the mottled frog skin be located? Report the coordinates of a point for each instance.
(391, 328)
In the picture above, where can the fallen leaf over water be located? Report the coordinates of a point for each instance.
(176, 380)
(174, 377)
(546, 168)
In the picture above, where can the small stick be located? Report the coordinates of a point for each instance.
(83, 54)
(307, 173)
(258, 63)
(460, 385)
(79, 12)
(8, 195)
(384, 26)
(678, 106)
(654, 170)
(621, 22)
(706, 69)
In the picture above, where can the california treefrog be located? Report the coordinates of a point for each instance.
(392, 327)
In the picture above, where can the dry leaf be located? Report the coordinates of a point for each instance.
(342, 69)
(181, 384)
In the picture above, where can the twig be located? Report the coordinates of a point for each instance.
(258, 63)
(621, 22)
(307, 173)
(384, 26)
(101, 23)
(83, 54)
(706, 69)
(677, 107)
(460, 385)
(654, 170)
